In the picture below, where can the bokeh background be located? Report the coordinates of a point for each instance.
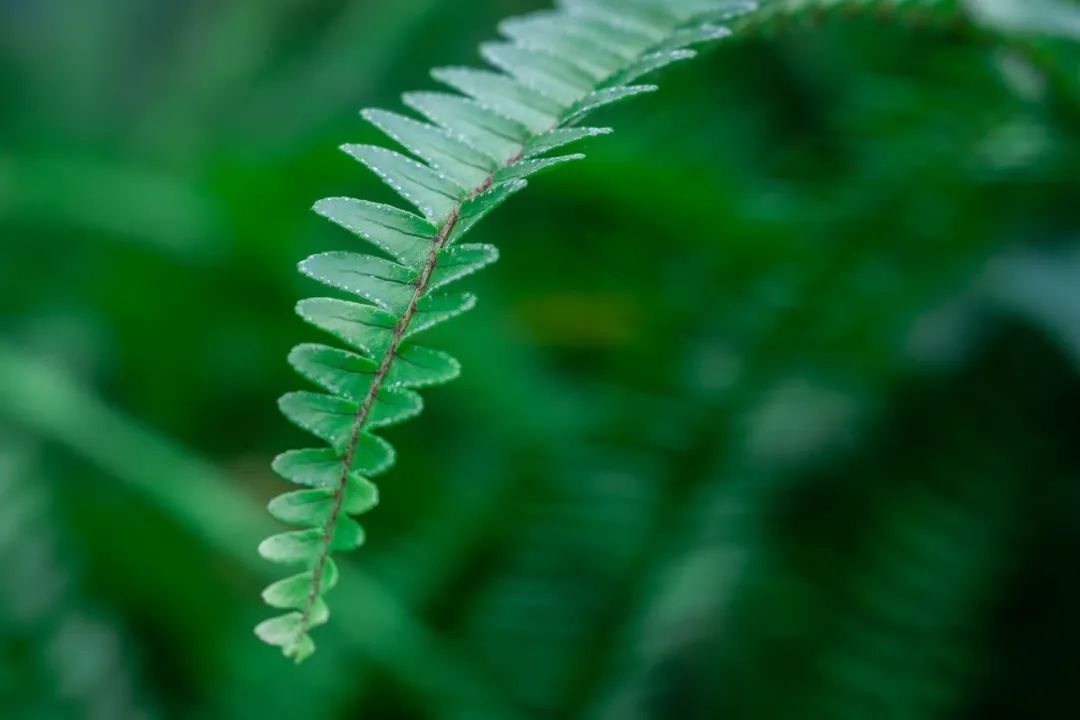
(770, 410)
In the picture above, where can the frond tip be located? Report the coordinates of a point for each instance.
(474, 150)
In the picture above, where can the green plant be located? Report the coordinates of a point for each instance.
(477, 151)
(477, 154)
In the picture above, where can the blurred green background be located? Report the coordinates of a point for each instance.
(770, 410)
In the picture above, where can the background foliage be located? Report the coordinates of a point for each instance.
(769, 410)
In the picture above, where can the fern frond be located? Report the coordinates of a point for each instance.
(776, 15)
(475, 148)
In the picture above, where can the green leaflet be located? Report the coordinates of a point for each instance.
(560, 138)
(457, 261)
(461, 162)
(504, 96)
(291, 593)
(403, 236)
(303, 507)
(350, 376)
(370, 329)
(310, 507)
(613, 30)
(386, 284)
(437, 308)
(416, 367)
(691, 36)
(321, 468)
(293, 548)
(290, 632)
(553, 33)
(363, 327)
(650, 64)
(433, 194)
(538, 69)
(472, 154)
(533, 166)
(327, 417)
(495, 135)
(608, 96)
